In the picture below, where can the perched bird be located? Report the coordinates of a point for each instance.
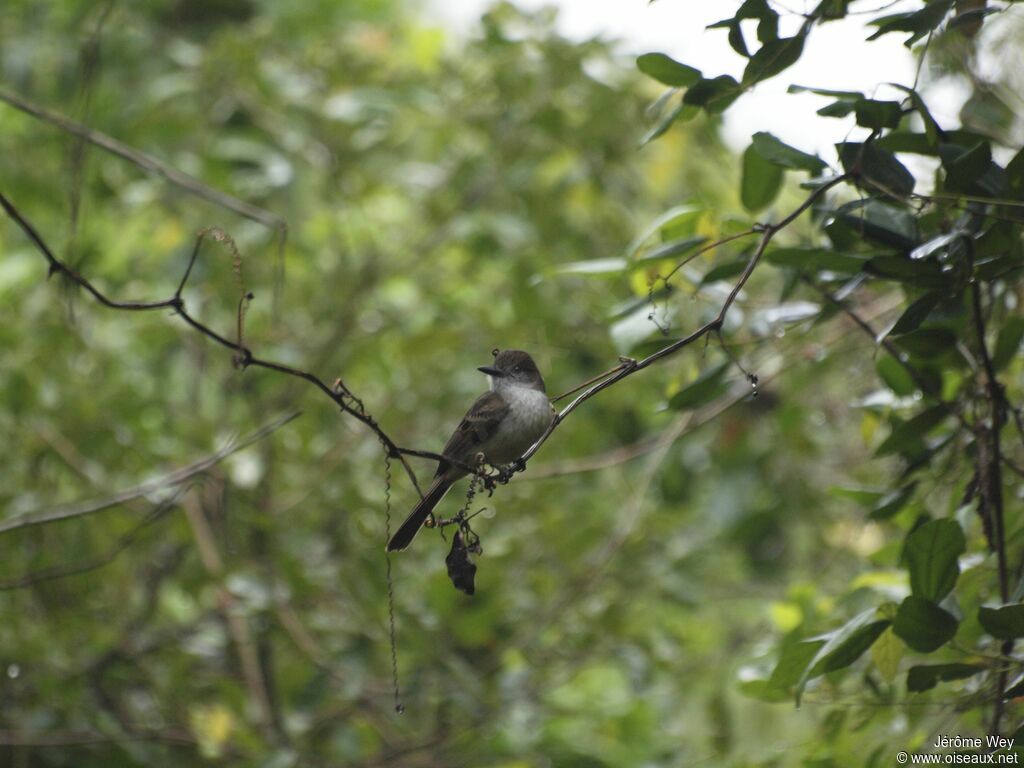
(502, 424)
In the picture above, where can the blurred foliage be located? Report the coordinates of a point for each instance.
(680, 561)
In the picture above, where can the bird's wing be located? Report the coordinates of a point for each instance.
(480, 422)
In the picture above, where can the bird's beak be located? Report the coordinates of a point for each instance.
(490, 370)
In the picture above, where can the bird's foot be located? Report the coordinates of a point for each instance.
(505, 473)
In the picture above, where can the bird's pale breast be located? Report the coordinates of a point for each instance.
(529, 415)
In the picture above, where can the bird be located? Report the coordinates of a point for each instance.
(502, 424)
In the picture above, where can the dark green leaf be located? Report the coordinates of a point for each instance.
(761, 181)
(671, 249)
(846, 95)
(839, 108)
(772, 58)
(1015, 176)
(878, 114)
(703, 389)
(1008, 342)
(923, 625)
(667, 70)
(1003, 266)
(892, 503)
(918, 23)
(880, 222)
(816, 259)
(920, 274)
(785, 156)
(895, 376)
(928, 343)
(879, 168)
(924, 678)
(1015, 691)
(714, 95)
(915, 314)
(843, 647)
(909, 434)
(924, 144)
(1005, 623)
(931, 553)
(768, 19)
(723, 271)
(793, 662)
(965, 168)
(935, 244)
(681, 111)
(932, 130)
(737, 42)
(906, 141)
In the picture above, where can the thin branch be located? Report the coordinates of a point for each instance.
(768, 233)
(146, 162)
(339, 393)
(350, 404)
(709, 247)
(236, 621)
(61, 571)
(178, 737)
(991, 479)
(176, 477)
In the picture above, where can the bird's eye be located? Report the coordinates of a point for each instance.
(517, 369)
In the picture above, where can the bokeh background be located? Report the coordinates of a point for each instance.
(447, 190)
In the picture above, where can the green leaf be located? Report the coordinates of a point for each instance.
(839, 108)
(847, 95)
(681, 111)
(918, 23)
(895, 376)
(932, 131)
(816, 259)
(923, 625)
(920, 274)
(772, 58)
(785, 156)
(1015, 691)
(939, 243)
(592, 267)
(883, 172)
(907, 141)
(928, 343)
(1005, 623)
(884, 223)
(671, 249)
(714, 95)
(761, 181)
(1008, 342)
(908, 434)
(703, 389)
(793, 662)
(915, 314)
(965, 168)
(878, 114)
(924, 678)
(724, 271)
(892, 503)
(843, 647)
(667, 70)
(886, 654)
(679, 215)
(931, 554)
(1015, 176)
(917, 274)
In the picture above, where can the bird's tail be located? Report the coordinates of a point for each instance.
(403, 536)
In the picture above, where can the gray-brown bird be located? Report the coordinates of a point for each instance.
(502, 424)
